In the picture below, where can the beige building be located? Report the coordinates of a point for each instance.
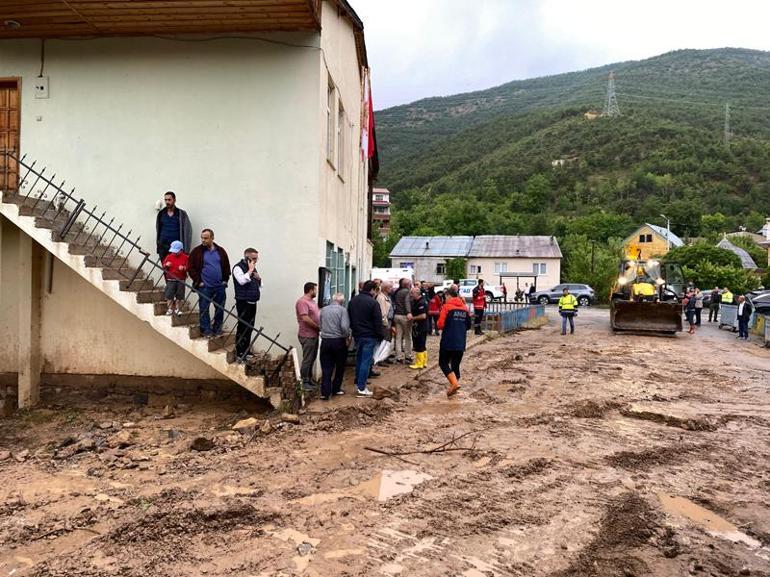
(532, 259)
(496, 258)
(650, 241)
(252, 114)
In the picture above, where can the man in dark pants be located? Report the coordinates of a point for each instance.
(248, 286)
(367, 329)
(172, 223)
(209, 270)
(454, 322)
(479, 303)
(716, 298)
(744, 315)
(335, 338)
(309, 326)
(419, 329)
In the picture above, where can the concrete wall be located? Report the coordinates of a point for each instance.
(235, 127)
(82, 331)
(424, 268)
(523, 265)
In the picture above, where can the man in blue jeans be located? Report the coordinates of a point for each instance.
(366, 326)
(209, 270)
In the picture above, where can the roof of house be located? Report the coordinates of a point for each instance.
(746, 260)
(509, 246)
(436, 246)
(675, 240)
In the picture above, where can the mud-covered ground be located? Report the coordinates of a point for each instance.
(593, 455)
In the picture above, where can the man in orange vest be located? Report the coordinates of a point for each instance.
(479, 303)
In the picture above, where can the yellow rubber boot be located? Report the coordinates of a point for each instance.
(418, 364)
(425, 360)
(454, 386)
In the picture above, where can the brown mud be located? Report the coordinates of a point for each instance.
(593, 455)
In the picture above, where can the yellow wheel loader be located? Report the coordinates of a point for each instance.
(647, 297)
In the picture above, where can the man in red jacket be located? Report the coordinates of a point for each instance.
(479, 303)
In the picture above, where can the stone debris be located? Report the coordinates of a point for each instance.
(5, 455)
(246, 426)
(168, 412)
(290, 418)
(202, 444)
(21, 456)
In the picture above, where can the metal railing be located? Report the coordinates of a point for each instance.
(95, 228)
(502, 306)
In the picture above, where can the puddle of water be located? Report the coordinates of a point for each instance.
(391, 483)
(708, 520)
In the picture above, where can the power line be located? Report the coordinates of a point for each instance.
(611, 108)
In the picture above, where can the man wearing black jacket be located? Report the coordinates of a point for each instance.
(172, 223)
(744, 315)
(366, 326)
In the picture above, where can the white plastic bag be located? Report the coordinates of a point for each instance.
(382, 352)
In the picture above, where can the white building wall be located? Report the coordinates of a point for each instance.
(551, 278)
(343, 217)
(232, 126)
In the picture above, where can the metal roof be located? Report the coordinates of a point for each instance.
(508, 246)
(746, 260)
(436, 246)
(675, 240)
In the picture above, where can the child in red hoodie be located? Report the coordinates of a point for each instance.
(175, 265)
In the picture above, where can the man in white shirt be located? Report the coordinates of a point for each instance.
(744, 314)
(248, 286)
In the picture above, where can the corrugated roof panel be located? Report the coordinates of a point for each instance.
(746, 260)
(509, 246)
(432, 246)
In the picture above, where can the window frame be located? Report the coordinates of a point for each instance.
(331, 116)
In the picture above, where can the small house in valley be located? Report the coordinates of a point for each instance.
(650, 241)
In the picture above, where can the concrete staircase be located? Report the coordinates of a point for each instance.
(109, 269)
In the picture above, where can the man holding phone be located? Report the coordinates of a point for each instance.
(248, 285)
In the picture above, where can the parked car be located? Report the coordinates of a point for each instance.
(492, 292)
(584, 294)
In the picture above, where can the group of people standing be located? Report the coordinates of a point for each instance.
(694, 304)
(403, 316)
(208, 267)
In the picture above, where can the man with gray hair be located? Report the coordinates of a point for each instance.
(335, 339)
(402, 303)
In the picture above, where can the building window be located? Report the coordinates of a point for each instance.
(539, 268)
(406, 265)
(330, 116)
(501, 267)
(645, 238)
(379, 197)
(440, 268)
(341, 140)
(475, 269)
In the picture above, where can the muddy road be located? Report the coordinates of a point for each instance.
(592, 455)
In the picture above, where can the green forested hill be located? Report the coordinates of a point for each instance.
(481, 163)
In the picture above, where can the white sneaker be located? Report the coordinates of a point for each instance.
(179, 313)
(169, 312)
(365, 393)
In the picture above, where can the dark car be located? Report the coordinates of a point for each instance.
(584, 294)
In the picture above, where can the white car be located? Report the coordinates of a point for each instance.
(492, 292)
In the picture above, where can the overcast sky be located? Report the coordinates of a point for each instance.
(421, 48)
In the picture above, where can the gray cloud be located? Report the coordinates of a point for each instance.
(422, 48)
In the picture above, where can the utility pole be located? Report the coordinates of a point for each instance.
(668, 232)
(611, 106)
(727, 125)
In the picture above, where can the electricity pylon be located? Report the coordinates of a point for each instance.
(611, 106)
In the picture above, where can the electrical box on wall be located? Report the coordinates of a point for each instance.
(41, 87)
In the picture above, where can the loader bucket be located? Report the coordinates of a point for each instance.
(646, 317)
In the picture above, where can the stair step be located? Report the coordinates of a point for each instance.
(106, 261)
(149, 296)
(222, 342)
(185, 319)
(122, 274)
(138, 284)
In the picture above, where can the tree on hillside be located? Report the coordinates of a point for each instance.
(695, 254)
(593, 263)
(709, 266)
